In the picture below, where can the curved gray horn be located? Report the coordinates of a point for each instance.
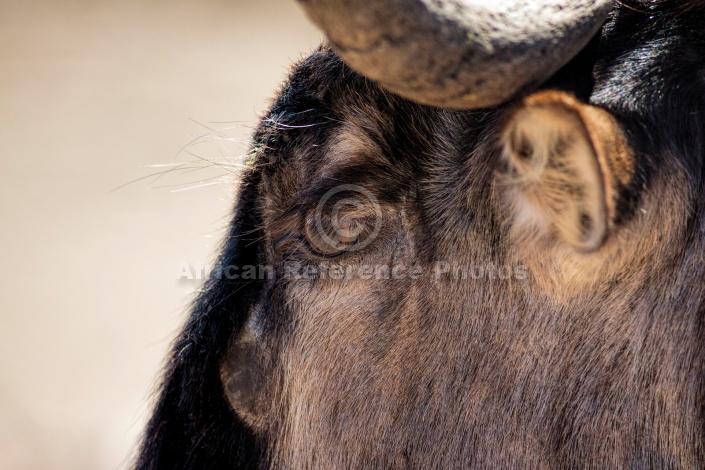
(458, 53)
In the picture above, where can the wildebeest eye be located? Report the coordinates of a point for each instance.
(321, 243)
(345, 219)
(330, 236)
(318, 235)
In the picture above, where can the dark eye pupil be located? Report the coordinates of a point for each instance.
(525, 150)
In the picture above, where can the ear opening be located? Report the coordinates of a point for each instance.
(565, 163)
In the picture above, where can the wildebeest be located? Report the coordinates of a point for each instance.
(478, 233)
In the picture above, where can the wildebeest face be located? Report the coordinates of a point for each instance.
(518, 286)
(417, 315)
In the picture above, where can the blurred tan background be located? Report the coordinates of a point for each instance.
(95, 95)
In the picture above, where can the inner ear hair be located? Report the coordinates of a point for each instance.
(566, 161)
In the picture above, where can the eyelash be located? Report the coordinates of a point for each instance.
(297, 241)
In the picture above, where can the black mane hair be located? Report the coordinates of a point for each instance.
(192, 425)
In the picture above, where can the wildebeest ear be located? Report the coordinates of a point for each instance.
(566, 162)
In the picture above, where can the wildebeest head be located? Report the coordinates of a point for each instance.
(516, 285)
